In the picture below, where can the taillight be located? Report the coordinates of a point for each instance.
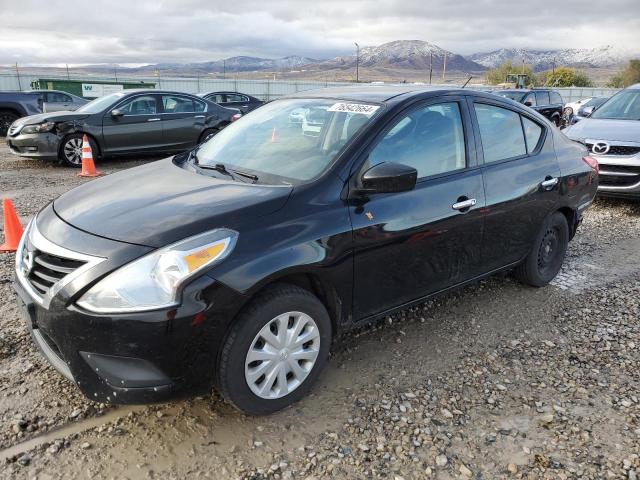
(236, 116)
(592, 162)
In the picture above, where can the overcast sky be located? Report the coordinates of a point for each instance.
(141, 31)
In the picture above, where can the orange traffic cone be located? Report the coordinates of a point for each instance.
(274, 135)
(88, 167)
(12, 227)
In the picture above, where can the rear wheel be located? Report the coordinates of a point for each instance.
(208, 134)
(546, 257)
(275, 351)
(6, 119)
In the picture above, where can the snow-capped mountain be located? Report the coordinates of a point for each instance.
(606, 56)
(412, 54)
(233, 64)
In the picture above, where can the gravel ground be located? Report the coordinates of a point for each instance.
(496, 380)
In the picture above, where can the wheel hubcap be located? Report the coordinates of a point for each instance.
(548, 251)
(73, 150)
(282, 355)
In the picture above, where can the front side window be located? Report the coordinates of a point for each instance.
(144, 105)
(531, 98)
(501, 133)
(622, 106)
(270, 144)
(176, 104)
(542, 98)
(429, 139)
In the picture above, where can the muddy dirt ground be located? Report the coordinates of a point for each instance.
(497, 380)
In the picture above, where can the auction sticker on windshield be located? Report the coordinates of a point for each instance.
(354, 108)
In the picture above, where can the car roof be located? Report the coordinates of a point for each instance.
(635, 86)
(375, 93)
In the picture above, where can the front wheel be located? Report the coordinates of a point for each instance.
(6, 119)
(550, 247)
(275, 350)
(70, 153)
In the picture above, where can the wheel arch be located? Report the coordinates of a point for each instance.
(572, 219)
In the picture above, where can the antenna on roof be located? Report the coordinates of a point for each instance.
(468, 80)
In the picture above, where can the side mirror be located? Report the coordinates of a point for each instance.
(116, 112)
(388, 177)
(528, 103)
(587, 111)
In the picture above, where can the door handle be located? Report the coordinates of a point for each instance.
(198, 116)
(549, 182)
(153, 120)
(464, 204)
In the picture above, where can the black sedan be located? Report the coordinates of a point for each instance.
(123, 123)
(243, 102)
(236, 264)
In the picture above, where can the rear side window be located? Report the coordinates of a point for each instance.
(429, 139)
(542, 98)
(500, 132)
(532, 133)
(55, 97)
(199, 106)
(175, 104)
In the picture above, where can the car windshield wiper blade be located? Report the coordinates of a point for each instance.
(245, 174)
(218, 167)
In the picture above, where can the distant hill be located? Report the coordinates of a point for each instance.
(409, 54)
(601, 57)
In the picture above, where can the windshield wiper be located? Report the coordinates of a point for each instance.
(220, 167)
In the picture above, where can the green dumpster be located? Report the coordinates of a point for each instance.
(87, 88)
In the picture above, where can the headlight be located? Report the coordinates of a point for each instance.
(40, 128)
(155, 280)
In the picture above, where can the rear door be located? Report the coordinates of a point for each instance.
(138, 129)
(183, 119)
(410, 244)
(521, 177)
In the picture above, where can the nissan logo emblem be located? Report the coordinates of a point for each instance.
(600, 147)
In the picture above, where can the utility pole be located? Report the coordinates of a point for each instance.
(68, 76)
(430, 66)
(357, 61)
(224, 68)
(115, 72)
(554, 65)
(18, 76)
(444, 67)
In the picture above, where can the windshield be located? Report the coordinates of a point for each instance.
(296, 139)
(517, 96)
(100, 103)
(622, 106)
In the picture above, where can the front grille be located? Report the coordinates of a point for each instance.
(625, 150)
(47, 270)
(619, 175)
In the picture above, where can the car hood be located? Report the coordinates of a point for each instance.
(51, 117)
(603, 129)
(160, 203)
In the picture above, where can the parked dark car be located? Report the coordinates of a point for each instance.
(588, 108)
(544, 101)
(14, 105)
(122, 123)
(236, 264)
(243, 102)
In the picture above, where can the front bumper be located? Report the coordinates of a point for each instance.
(619, 175)
(34, 145)
(127, 358)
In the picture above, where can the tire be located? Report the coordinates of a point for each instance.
(556, 120)
(545, 259)
(6, 119)
(208, 134)
(70, 151)
(250, 357)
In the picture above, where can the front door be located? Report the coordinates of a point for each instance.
(410, 244)
(522, 180)
(137, 129)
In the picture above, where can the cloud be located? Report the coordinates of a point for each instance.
(142, 31)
